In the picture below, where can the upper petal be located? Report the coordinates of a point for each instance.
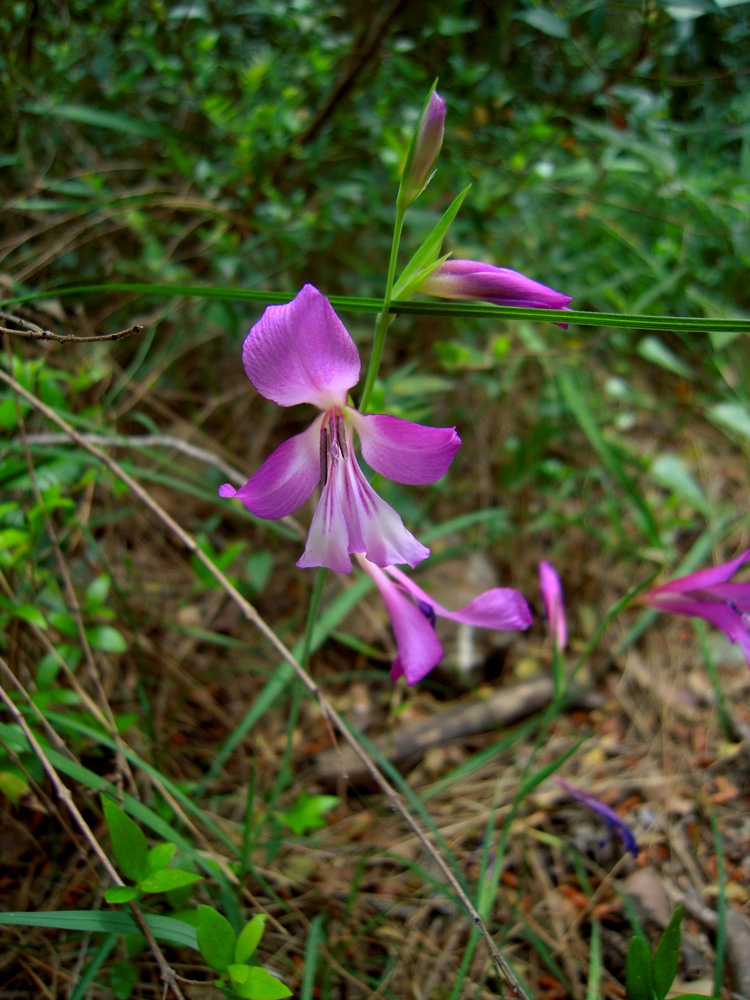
(302, 353)
(419, 648)
(287, 477)
(405, 451)
(499, 608)
(702, 580)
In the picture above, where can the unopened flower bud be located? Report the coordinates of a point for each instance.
(424, 152)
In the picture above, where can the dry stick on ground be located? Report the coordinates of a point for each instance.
(30, 331)
(63, 793)
(252, 615)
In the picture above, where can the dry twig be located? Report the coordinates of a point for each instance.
(30, 331)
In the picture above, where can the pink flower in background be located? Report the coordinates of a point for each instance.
(471, 279)
(302, 353)
(549, 584)
(708, 594)
(426, 147)
(413, 612)
(613, 821)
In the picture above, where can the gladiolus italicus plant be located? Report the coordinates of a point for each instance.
(302, 353)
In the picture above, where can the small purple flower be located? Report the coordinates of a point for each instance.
(412, 612)
(613, 821)
(549, 584)
(471, 279)
(424, 152)
(708, 594)
(302, 353)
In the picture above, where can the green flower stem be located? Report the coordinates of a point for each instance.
(385, 318)
(312, 614)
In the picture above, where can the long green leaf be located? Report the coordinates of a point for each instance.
(348, 303)
(87, 921)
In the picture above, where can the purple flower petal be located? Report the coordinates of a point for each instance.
(404, 451)
(350, 518)
(419, 649)
(613, 821)
(500, 608)
(708, 594)
(549, 584)
(286, 479)
(703, 579)
(302, 353)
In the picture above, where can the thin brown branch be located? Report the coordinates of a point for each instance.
(251, 614)
(30, 331)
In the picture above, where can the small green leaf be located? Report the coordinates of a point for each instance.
(667, 956)
(160, 856)
(30, 614)
(122, 979)
(654, 349)
(128, 842)
(216, 938)
(638, 983)
(15, 786)
(168, 879)
(120, 893)
(421, 262)
(307, 812)
(734, 416)
(546, 22)
(106, 638)
(249, 938)
(257, 984)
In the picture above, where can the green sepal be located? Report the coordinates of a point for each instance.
(424, 261)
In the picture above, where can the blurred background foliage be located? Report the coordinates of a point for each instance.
(257, 145)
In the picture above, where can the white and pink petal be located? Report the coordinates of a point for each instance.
(286, 479)
(404, 451)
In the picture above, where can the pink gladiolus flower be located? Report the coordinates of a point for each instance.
(302, 353)
(549, 584)
(412, 612)
(708, 594)
(471, 279)
(426, 147)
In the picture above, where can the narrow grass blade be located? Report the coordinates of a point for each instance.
(90, 921)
